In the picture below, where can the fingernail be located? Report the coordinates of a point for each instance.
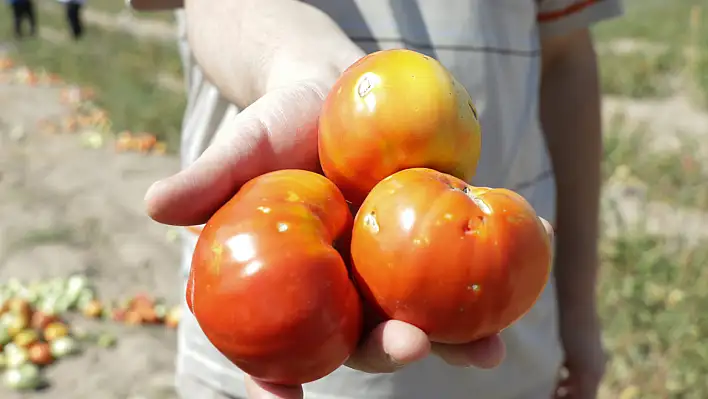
(395, 363)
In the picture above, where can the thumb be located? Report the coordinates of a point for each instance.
(278, 131)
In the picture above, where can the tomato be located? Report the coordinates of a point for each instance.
(267, 286)
(392, 110)
(40, 354)
(459, 262)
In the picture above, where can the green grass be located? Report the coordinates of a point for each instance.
(654, 20)
(670, 49)
(122, 69)
(653, 300)
(638, 75)
(652, 292)
(677, 176)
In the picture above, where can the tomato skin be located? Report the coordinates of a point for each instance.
(267, 287)
(460, 266)
(392, 110)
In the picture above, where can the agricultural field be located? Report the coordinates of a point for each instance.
(72, 204)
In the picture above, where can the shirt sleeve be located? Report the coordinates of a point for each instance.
(558, 17)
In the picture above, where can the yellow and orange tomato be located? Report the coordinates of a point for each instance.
(392, 110)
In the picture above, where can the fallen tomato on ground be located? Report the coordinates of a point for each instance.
(457, 261)
(267, 287)
(392, 110)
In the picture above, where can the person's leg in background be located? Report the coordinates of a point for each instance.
(17, 15)
(79, 20)
(73, 9)
(31, 17)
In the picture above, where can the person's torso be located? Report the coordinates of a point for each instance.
(492, 48)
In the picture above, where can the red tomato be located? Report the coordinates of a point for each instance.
(392, 110)
(268, 288)
(457, 261)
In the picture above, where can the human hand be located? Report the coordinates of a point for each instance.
(279, 131)
(389, 347)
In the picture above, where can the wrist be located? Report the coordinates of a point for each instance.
(286, 70)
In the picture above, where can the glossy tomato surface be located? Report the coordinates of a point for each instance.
(392, 110)
(459, 262)
(266, 285)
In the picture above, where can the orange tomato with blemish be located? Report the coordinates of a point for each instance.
(392, 110)
(457, 261)
(267, 286)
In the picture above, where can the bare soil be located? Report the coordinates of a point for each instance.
(65, 209)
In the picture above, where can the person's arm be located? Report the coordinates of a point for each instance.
(570, 117)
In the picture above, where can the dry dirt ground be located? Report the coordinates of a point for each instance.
(65, 208)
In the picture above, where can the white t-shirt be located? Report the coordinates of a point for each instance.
(493, 48)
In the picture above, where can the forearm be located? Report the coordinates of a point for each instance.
(570, 115)
(246, 47)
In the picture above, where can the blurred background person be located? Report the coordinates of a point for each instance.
(73, 17)
(21, 10)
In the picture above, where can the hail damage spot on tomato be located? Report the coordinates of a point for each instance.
(472, 226)
(366, 84)
(371, 223)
